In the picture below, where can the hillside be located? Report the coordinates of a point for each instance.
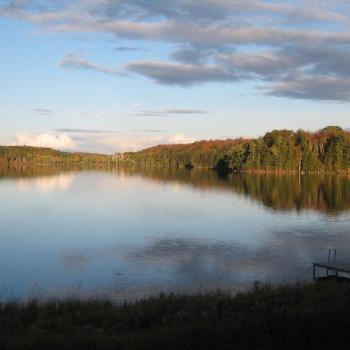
(19, 155)
(326, 150)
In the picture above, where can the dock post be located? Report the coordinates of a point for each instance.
(313, 271)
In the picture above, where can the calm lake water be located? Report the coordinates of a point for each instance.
(131, 233)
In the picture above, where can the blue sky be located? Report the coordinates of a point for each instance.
(109, 75)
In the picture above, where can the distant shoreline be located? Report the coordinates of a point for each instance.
(107, 164)
(345, 172)
(278, 151)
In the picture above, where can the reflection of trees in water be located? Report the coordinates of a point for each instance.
(326, 193)
(27, 171)
(323, 193)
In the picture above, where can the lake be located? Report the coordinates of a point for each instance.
(130, 233)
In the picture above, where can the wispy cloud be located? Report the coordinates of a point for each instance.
(185, 111)
(42, 111)
(86, 131)
(151, 131)
(76, 62)
(127, 49)
(170, 112)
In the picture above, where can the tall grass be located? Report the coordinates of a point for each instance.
(303, 316)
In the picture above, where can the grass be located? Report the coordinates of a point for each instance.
(303, 316)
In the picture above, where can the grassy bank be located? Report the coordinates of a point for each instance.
(312, 316)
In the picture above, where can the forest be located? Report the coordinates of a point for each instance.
(23, 155)
(326, 150)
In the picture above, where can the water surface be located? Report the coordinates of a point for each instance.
(130, 233)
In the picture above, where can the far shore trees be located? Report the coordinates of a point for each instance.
(327, 150)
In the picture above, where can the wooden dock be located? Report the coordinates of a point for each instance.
(333, 267)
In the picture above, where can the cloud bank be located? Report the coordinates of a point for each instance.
(99, 140)
(298, 50)
(127, 142)
(61, 142)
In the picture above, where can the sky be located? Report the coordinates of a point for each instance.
(120, 75)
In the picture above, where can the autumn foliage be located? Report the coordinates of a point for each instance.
(327, 150)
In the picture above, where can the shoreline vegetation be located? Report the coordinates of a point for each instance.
(20, 156)
(301, 316)
(326, 151)
(278, 151)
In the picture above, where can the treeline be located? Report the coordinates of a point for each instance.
(23, 155)
(327, 150)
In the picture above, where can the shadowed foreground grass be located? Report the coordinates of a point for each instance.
(308, 316)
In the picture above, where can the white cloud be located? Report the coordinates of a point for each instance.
(102, 142)
(135, 143)
(109, 143)
(180, 138)
(130, 142)
(44, 140)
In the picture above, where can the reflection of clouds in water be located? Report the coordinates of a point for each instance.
(178, 264)
(60, 183)
(206, 263)
(178, 187)
(288, 255)
(74, 261)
